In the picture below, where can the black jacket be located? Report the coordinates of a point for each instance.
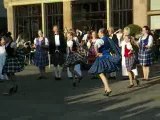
(52, 47)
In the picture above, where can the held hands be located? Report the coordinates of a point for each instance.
(146, 46)
(99, 54)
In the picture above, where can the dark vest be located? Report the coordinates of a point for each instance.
(10, 51)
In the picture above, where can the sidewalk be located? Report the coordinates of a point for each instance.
(57, 100)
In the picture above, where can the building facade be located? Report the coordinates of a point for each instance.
(30, 15)
(3, 17)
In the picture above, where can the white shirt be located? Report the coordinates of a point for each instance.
(57, 41)
(119, 36)
(85, 37)
(99, 43)
(46, 41)
(12, 45)
(2, 50)
(150, 40)
(129, 46)
(69, 45)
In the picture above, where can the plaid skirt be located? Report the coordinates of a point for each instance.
(130, 63)
(145, 57)
(41, 59)
(14, 64)
(73, 59)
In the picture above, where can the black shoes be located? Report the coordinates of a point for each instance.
(79, 79)
(107, 93)
(12, 90)
(74, 84)
(58, 78)
(131, 86)
(41, 77)
(137, 82)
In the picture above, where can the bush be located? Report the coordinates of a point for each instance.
(134, 30)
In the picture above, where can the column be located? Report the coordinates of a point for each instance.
(67, 14)
(10, 20)
(108, 8)
(43, 18)
(140, 8)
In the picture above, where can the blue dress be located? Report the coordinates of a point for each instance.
(105, 63)
(41, 54)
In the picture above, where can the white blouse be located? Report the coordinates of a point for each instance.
(99, 43)
(46, 41)
(70, 43)
(2, 50)
(150, 40)
(129, 46)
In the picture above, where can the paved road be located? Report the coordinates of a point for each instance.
(57, 100)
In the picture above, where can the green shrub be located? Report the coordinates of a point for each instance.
(134, 29)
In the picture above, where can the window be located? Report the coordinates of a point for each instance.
(154, 4)
(28, 20)
(89, 14)
(121, 13)
(154, 22)
(54, 16)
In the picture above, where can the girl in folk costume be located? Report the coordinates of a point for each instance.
(78, 66)
(73, 57)
(14, 63)
(41, 55)
(145, 52)
(123, 43)
(104, 62)
(130, 60)
(2, 57)
(90, 44)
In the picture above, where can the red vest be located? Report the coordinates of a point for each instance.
(126, 52)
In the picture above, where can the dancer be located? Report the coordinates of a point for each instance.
(123, 62)
(90, 44)
(73, 58)
(57, 49)
(41, 54)
(14, 63)
(130, 60)
(78, 66)
(145, 52)
(2, 57)
(104, 62)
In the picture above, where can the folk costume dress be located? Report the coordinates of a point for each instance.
(14, 60)
(129, 57)
(77, 67)
(104, 63)
(123, 62)
(91, 52)
(145, 54)
(41, 53)
(73, 57)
